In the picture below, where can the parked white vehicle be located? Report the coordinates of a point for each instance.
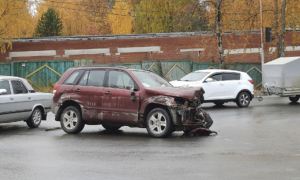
(19, 102)
(220, 85)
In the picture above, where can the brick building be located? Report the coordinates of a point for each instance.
(162, 53)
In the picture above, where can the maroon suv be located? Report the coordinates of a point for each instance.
(115, 97)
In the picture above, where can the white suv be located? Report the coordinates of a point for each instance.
(220, 85)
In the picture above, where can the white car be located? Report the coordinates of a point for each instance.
(19, 102)
(220, 86)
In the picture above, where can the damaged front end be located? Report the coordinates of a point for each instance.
(187, 113)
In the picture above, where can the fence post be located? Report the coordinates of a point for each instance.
(12, 71)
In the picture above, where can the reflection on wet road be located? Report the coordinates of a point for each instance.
(259, 142)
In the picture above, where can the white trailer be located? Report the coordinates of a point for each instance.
(282, 77)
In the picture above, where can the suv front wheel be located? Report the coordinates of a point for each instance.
(71, 120)
(159, 123)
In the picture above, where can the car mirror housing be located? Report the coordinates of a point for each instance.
(209, 80)
(3, 91)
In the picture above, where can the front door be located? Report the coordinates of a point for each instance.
(214, 87)
(120, 101)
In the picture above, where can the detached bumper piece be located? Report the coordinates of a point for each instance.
(196, 121)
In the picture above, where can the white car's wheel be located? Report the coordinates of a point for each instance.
(243, 99)
(159, 123)
(294, 99)
(35, 119)
(71, 120)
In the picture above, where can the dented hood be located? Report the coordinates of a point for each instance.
(186, 93)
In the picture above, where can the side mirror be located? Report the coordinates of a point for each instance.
(209, 80)
(3, 91)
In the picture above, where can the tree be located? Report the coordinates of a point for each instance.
(80, 17)
(15, 22)
(50, 24)
(97, 12)
(155, 16)
(120, 17)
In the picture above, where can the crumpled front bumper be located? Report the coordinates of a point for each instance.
(190, 118)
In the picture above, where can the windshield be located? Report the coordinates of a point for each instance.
(150, 79)
(194, 76)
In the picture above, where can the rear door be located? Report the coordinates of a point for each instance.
(89, 92)
(118, 102)
(230, 82)
(6, 103)
(21, 102)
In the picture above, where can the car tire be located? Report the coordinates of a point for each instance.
(159, 123)
(294, 99)
(71, 120)
(243, 99)
(111, 128)
(35, 119)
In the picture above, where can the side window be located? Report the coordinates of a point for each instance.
(71, 80)
(18, 87)
(4, 84)
(84, 79)
(216, 77)
(96, 78)
(118, 79)
(231, 76)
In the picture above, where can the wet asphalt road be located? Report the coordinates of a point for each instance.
(260, 142)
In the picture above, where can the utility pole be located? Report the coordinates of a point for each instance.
(218, 21)
(282, 33)
(262, 53)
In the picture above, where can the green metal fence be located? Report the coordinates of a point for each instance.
(172, 70)
(43, 74)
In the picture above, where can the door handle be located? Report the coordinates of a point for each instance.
(107, 93)
(11, 99)
(77, 90)
(29, 98)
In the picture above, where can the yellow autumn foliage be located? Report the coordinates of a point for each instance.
(15, 22)
(79, 17)
(120, 18)
(244, 15)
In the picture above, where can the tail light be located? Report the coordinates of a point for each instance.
(251, 81)
(55, 87)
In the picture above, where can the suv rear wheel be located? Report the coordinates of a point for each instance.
(159, 123)
(71, 120)
(243, 99)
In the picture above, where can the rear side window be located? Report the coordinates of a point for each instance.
(71, 80)
(18, 87)
(4, 84)
(231, 76)
(96, 78)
